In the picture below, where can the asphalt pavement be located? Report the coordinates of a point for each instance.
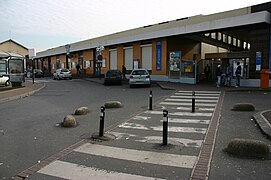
(231, 124)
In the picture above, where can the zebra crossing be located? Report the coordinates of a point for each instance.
(137, 151)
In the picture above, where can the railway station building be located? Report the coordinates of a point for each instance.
(176, 50)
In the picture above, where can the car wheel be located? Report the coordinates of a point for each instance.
(7, 83)
(70, 78)
(131, 86)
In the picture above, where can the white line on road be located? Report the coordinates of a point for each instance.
(160, 128)
(197, 97)
(174, 160)
(205, 92)
(155, 139)
(72, 171)
(188, 121)
(190, 100)
(188, 104)
(189, 109)
(197, 94)
(180, 113)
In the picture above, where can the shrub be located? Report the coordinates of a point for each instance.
(243, 107)
(248, 148)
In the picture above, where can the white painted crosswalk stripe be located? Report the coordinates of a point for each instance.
(190, 100)
(72, 171)
(197, 97)
(197, 94)
(204, 92)
(188, 104)
(180, 113)
(189, 109)
(151, 157)
(160, 128)
(188, 121)
(154, 139)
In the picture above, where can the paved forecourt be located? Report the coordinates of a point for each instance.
(137, 151)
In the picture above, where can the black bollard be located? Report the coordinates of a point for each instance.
(165, 126)
(33, 75)
(193, 101)
(101, 132)
(150, 101)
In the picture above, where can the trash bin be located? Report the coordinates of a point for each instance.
(265, 78)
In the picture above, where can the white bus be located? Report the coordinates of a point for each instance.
(12, 66)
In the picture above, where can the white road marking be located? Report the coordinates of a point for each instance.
(188, 121)
(197, 97)
(197, 94)
(154, 139)
(141, 118)
(188, 104)
(160, 128)
(189, 109)
(181, 129)
(185, 142)
(133, 126)
(205, 92)
(190, 100)
(180, 113)
(174, 160)
(72, 171)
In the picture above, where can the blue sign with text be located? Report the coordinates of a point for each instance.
(158, 55)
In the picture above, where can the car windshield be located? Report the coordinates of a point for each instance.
(64, 70)
(140, 72)
(112, 73)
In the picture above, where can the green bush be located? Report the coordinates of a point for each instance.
(113, 104)
(243, 107)
(248, 148)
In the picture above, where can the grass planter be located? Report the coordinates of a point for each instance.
(248, 148)
(113, 104)
(243, 107)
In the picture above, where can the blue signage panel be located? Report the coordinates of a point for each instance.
(258, 60)
(158, 55)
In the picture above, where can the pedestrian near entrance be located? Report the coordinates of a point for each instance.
(218, 75)
(228, 75)
(78, 68)
(238, 74)
(123, 72)
(207, 71)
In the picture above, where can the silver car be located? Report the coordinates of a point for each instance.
(62, 74)
(139, 77)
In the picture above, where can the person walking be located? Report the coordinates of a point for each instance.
(238, 74)
(218, 73)
(123, 72)
(207, 71)
(228, 75)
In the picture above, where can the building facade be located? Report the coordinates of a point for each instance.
(178, 49)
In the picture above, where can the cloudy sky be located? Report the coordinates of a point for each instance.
(44, 24)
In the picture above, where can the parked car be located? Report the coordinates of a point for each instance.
(4, 80)
(38, 73)
(62, 74)
(139, 77)
(113, 77)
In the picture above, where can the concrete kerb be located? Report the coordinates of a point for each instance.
(264, 125)
(21, 95)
